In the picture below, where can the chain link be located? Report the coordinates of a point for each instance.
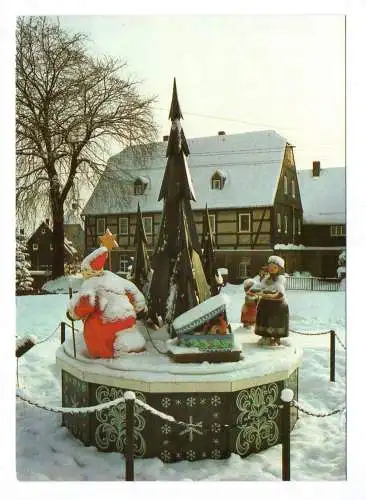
(49, 336)
(309, 333)
(341, 342)
(313, 414)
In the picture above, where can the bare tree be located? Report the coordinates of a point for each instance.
(69, 108)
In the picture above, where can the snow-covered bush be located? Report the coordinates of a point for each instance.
(23, 278)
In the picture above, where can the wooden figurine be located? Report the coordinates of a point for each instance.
(272, 321)
(249, 309)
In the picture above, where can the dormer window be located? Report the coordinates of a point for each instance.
(140, 185)
(218, 180)
(285, 185)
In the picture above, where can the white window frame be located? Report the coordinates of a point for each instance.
(285, 184)
(99, 220)
(285, 219)
(293, 188)
(294, 227)
(35, 247)
(216, 183)
(144, 220)
(337, 230)
(120, 219)
(247, 214)
(244, 264)
(212, 218)
(279, 222)
(126, 261)
(43, 231)
(51, 247)
(299, 226)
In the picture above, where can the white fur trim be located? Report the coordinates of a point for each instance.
(129, 340)
(275, 259)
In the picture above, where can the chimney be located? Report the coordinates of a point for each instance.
(48, 222)
(221, 132)
(316, 168)
(165, 138)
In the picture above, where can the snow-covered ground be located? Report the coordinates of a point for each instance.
(45, 451)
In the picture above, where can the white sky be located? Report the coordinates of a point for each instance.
(281, 72)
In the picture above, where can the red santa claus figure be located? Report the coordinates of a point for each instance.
(108, 305)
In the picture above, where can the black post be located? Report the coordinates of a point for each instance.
(63, 327)
(129, 451)
(286, 440)
(332, 355)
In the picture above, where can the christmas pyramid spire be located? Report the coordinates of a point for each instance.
(178, 281)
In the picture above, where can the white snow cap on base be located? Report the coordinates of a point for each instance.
(275, 259)
(287, 395)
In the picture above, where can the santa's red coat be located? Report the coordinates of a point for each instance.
(100, 332)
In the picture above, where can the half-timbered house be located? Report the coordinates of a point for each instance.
(248, 181)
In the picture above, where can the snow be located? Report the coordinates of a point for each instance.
(48, 452)
(318, 206)
(253, 156)
(200, 312)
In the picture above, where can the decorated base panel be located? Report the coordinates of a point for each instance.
(236, 405)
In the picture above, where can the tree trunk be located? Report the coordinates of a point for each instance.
(58, 257)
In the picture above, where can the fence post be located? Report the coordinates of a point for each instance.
(63, 326)
(129, 447)
(287, 396)
(332, 355)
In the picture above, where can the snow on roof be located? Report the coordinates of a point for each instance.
(251, 163)
(323, 198)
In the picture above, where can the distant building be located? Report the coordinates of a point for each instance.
(323, 197)
(73, 228)
(41, 251)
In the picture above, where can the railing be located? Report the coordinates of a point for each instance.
(312, 283)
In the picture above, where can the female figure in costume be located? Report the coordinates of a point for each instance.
(272, 322)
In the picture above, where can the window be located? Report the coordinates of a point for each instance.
(216, 183)
(139, 189)
(286, 223)
(124, 263)
(279, 228)
(51, 247)
(123, 225)
(218, 179)
(213, 223)
(285, 186)
(43, 231)
(293, 189)
(294, 227)
(243, 267)
(244, 223)
(339, 230)
(100, 226)
(299, 226)
(35, 246)
(147, 225)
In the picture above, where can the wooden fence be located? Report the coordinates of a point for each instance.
(313, 284)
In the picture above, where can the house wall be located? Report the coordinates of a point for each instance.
(320, 235)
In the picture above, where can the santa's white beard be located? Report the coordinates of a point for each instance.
(129, 340)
